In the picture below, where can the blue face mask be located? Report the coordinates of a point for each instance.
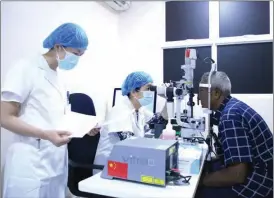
(147, 98)
(69, 62)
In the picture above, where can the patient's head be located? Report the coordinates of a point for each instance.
(220, 89)
(136, 87)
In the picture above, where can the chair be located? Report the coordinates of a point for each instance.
(81, 151)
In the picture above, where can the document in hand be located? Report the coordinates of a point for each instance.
(118, 121)
(78, 124)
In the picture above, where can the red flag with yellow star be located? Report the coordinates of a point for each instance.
(117, 169)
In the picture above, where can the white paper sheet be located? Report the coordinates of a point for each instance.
(78, 124)
(121, 122)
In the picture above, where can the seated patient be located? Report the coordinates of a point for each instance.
(128, 118)
(244, 146)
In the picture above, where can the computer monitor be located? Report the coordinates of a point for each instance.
(118, 97)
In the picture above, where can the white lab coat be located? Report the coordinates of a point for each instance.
(33, 169)
(121, 118)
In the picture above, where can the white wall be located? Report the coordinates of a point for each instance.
(126, 42)
(142, 34)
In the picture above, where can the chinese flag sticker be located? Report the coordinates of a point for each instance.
(117, 169)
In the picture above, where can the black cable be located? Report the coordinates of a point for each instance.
(199, 140)
(206, 60)
(174, 175)
(211, 135)
(211, 61)
(210, 145)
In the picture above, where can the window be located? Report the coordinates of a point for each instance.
(249, 67)
(244, 17)
(174, 58)
(178, 15)
(251, 33)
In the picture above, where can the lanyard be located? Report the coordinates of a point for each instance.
(137, 115)
(67, 106)
(137, 119)
(68, 98)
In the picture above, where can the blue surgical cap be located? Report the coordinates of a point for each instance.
(67, 35)
(135, 80)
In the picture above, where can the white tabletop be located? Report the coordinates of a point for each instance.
(127, 189)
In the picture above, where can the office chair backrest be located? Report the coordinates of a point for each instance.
(83, 150)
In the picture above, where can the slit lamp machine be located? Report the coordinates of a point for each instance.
(153, 161)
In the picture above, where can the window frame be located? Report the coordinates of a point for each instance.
(215, 40)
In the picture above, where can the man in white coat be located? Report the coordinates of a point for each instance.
(33, 102)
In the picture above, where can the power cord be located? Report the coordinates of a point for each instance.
(174, 176)
(211, 136)
(199, 140)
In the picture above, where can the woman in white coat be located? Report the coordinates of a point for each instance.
(128, 118)
(33, 101)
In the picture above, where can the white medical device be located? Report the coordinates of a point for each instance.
(179, 90)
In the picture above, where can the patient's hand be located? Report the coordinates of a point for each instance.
(94, 131)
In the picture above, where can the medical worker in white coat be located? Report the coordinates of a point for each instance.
(128, 118)
(33, 101)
